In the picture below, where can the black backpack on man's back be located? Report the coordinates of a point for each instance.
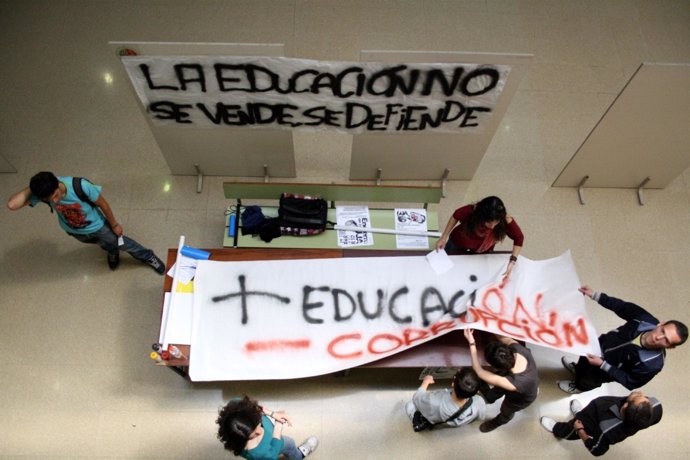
(76, 185)
(78, 189)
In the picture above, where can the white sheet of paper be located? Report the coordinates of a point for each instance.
(411, 220)
(120, 241)
(354, 216)
(187, 269)
(179, 315)
(439, 261)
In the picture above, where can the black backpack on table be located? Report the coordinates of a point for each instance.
(302, 215)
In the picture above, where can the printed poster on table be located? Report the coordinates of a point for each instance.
(353, 216)
(411, 220)
(283, 319)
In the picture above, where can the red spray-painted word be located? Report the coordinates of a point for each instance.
(495, 314)
(350, 346)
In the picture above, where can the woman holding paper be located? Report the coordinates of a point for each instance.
(476, 228)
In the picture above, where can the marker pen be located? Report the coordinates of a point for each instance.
(156, 357)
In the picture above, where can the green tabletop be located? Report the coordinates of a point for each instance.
(380, 218)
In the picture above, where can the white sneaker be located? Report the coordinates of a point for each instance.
(568, 365)
(547, 423)
(568, 386)
(575, 406)
(309, 445)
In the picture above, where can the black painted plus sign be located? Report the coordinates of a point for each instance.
(243, 294)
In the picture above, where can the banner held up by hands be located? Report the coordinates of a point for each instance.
(298, 318)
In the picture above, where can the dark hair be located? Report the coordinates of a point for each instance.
(682, 331)
(465, 383)
(638, 416)
(43, 185)
(488, 209)
(236, 421)
(500, 356)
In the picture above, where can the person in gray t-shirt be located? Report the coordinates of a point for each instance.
(438, 406)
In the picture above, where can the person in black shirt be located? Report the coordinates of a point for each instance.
(606, 420)
(515, 377)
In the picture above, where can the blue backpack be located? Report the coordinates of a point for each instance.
(252, 220)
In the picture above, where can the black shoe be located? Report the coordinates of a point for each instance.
(489, 425)
(157, 264)
(113, 260)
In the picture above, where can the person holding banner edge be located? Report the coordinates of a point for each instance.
(254, 432)
(476, 228)
(632, 354)
(515, 377)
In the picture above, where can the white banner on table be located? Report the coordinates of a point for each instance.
(178, 329)
(353, 216)
(284, 319)
(411, 220)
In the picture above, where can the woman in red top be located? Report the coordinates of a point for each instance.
(477, 228)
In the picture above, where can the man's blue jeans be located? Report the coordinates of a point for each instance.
(107, 240)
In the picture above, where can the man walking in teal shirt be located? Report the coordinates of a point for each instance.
(84, 214)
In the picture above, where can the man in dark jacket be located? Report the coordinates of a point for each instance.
(632, 353)
(606, 420)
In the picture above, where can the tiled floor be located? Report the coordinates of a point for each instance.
(74, 337)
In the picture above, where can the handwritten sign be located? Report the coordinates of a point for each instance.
(540, 305)
(297, 318)
(351, 97)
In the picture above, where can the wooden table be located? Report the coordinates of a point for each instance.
(448, 350)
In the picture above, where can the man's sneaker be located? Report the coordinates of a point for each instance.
(157, 264)
(113, 260)
(575, 406)
(547, 423)
(489, 425)
(568, 365)
(309, 446)
(568, 386)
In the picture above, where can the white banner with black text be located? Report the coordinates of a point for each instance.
(286, 319)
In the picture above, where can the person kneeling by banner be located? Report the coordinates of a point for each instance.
(454, 406)
(606, 420)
